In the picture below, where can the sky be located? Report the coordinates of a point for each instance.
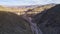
(27, 2)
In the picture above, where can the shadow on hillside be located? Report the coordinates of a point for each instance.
(49, 20)
(11, 23)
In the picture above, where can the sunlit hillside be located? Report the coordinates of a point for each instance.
(15, 10)
(21, 9)
(41, 8)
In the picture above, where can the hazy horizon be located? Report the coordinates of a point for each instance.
(27, 2)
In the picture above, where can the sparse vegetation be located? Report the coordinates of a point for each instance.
(36, 9)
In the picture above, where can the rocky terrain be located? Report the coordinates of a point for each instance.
(49, 20)
(43, 19)
(11, 23)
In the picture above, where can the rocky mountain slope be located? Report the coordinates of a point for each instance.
(46, 21)
(49, 20)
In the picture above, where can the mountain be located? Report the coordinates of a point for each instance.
(21, 9)
(49, 20)
(39, 9)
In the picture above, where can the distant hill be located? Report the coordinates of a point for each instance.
(39, 9)
(21, 9)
